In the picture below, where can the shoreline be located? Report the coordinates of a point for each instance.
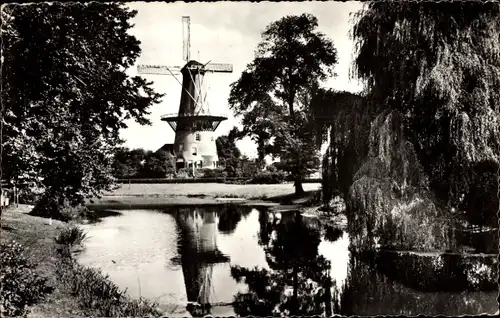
(158, 202)
(37, 235)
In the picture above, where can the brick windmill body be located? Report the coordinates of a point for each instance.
(194, 124)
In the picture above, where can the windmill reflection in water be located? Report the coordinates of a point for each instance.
(198, 255)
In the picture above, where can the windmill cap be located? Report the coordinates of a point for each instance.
(193, 64)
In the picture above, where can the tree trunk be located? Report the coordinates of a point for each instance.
(299, 189)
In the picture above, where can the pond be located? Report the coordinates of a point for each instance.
(229, 260)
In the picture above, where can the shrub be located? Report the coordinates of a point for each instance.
(99, 295)
(214, 173)
(50, 205)
(21, 285)
(71, 236)
(266, 177)
(69, 213)
(184, 173)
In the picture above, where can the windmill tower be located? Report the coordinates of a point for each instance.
(194, 124)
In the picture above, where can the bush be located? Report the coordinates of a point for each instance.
(28, 197)
(69, 213)
(267, 177)
(20, 286)
(99, 295)
(184, 173)
(71, 236)
(50, 205)
(214, 173)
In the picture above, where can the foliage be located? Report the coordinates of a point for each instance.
(184, 173)
(66, 95)
(215, 173)
(267, 177)
(128, 162)
(228, 153)
(348, 117)
(99, 296)
(298, 151)
(158, 164)
(72, 235)
(447, 87)
(139, 163)
(61, 208)
(75, 213)
(21, 285)
(274, 92)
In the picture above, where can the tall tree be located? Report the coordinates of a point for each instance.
(438, 65)
(290, 62)
(157, 165)
(66, 95)
(125, 164)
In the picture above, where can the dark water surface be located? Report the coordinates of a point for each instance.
(244, 260)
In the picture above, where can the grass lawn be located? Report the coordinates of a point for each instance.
(157, 196)
(221, 190)
(38, 234)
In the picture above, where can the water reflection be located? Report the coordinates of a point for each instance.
(199, 253)
(403, 283)
(239, 260)
(299, 281)
(229, 218)
(198, 250)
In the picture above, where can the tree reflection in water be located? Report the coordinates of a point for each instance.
(403, 283)
(230, 216)
(298, 282)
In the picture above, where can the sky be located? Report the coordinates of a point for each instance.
(222, 32)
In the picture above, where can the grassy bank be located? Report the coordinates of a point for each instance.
(70, 290)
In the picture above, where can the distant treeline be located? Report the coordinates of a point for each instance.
(144, 166)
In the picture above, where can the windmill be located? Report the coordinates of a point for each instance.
(194, 125)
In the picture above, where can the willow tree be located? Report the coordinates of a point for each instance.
(345, 118)
(438, 64)
(65, 96)
(291, 60)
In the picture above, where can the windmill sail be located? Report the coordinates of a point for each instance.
(186, 38)
(219, 67)
(158, 69)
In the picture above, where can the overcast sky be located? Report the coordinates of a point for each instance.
(223, 32)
